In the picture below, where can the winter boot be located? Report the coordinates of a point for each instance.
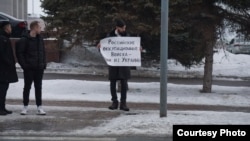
(3, 109)
(7, 111)
(124, 107)
(3, 113)
(114, 105)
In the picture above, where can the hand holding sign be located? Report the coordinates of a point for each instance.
(121, 51)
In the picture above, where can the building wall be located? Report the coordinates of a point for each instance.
(15, 8)
(51, 48)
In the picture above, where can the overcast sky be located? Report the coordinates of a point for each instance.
(37, 7)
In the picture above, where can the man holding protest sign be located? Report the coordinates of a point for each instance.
(120, 53)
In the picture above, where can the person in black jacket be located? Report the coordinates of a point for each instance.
(121, 73)
(8, 72)
(30, 53)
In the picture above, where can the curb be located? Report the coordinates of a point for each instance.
(103, 70)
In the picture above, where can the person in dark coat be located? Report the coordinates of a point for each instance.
(118, 72)
(30, 53)
(8, 72)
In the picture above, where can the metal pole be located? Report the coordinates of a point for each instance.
(164, 57)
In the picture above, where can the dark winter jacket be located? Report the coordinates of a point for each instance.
(8, 72)
(116, 72)
(30, 52)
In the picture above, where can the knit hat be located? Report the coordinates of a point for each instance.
(4, 23)
(120, 23)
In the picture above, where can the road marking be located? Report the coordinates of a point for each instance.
(57, 139)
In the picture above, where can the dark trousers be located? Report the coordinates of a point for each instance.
(123, 90)
(3, 92)
(31, 76)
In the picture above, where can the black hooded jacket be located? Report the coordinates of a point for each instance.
(30, 52)
(8, 72)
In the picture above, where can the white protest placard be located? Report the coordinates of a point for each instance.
(121, 51)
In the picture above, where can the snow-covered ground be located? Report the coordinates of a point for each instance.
(89, 61)
(138, 92)
(148, 122)
(144, 122)
(225, 64)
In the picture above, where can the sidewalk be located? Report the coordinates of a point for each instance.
(83, 120)
(77, 110)
(65, 120)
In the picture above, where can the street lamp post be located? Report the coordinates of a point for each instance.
(164, 57)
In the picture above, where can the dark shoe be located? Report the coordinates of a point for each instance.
(114, 106)
(124, 107)
(7, 111)
(3, 113)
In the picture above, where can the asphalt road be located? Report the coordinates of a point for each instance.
(86, 139)
(237, 83)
